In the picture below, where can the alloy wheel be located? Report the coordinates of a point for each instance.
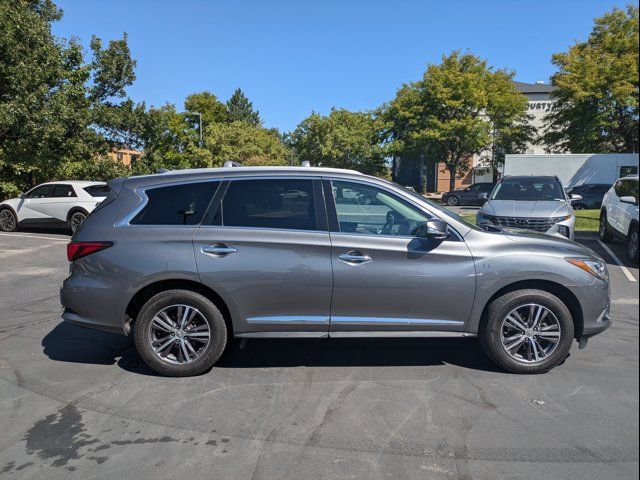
(179, 334)
(7, 221)
(530, 333)
(453, 201)
(76, 219)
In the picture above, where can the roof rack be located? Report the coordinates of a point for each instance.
(305, 164)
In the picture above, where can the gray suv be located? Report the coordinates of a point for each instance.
(537, 203)
(185, 261)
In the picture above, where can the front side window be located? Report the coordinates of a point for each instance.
(619, 188)
(270, 203)
(176, 204)
(63, 191)
(43, 191)
(367, 210)
(525, 189)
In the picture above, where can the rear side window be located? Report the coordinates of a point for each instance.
(282, 204)
(97, 190)
(176, 204)
(63, 191)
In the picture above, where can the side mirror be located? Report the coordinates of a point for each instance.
(576, 197)
(629, 199)
(434, 229)
(484, 197)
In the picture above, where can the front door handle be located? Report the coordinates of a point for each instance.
(218, 249)
(354, 258)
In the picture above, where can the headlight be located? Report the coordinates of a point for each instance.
(555, 220)
(597, 268)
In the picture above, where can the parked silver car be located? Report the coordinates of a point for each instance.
(187, 260)
(537, 203)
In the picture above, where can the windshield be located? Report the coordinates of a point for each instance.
(528, 189)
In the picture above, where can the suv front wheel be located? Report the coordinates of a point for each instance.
(527, 331)
(180, 333)
(603, 228)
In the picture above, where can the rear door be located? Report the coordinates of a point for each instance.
(385, 279)
(63, 197)
(265, 249)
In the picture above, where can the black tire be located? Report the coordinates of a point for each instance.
(453, 201)
(603, 229)
(210, 314)
(8, 220)
(75, 219)
(632, 243)
(490, 333)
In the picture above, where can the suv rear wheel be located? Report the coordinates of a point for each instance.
(180, 333)
(453, 201)
(603, 229)
(527, 331)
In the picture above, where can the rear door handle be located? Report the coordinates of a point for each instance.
(354, 258)
(218, 250)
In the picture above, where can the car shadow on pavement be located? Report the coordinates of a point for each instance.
(74, 344)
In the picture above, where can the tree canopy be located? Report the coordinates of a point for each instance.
(240, 109)
(342, 139)
(460, 108)
(597, 89)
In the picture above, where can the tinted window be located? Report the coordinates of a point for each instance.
(628, 170)
(486, 187)
(43, 191)
(97, 190)
(600, 189)
(283, 204)
(63, 191)
(528, 189)
(629, 188)
(367, 210)
(619, 188)
(176, 204)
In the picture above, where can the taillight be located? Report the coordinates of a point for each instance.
(76, 250)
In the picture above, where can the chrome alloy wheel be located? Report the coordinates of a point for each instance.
(179, 334)
(7, 221)
(530, 333)
(76, 219)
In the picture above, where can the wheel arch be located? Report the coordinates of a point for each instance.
(563, 293)
(75, 209)
(145, 293)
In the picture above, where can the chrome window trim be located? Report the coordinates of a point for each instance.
(141, 192)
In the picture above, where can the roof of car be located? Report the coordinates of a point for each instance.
(77, 183)
(529, 177)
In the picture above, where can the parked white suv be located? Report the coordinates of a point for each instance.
(54, 204)
(619, 214)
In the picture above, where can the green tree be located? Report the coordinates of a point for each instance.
(342, 139)
(240, 109)
(51, 100)
(597, 89)
(245, 143)
(460, 108)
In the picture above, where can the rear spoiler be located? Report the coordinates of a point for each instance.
(116, 184)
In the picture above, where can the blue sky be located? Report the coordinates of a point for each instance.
(294, 57)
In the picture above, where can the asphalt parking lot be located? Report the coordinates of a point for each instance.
(77, 403)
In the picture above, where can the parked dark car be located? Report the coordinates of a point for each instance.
(591, 193)
(475, 194)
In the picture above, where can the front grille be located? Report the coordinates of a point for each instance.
(536, 224)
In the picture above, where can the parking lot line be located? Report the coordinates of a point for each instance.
(625, 270)
(35, 236)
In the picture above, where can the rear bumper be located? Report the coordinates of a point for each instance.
(75, 319)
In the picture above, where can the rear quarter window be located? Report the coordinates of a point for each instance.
(97, 190)
(183, 204)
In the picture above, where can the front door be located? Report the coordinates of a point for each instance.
(266, 252)
(385, 279)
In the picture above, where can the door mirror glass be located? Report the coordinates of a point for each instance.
(630, 200)
(434, 229)
(575, 197)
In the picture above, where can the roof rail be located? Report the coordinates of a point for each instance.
(162, 170)
(231, 163)
(305, 164)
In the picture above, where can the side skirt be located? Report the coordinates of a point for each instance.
(380, 334)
